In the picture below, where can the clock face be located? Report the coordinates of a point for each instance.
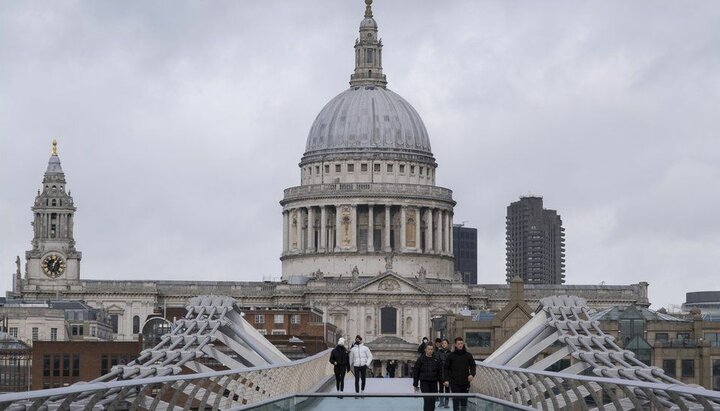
(53, 266)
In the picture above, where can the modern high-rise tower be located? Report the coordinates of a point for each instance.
(465, 251)
(535, 243)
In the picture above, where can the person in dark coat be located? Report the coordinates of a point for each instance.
(428, 372)
(442, 355)
(390, 367)
(459, 372)
(340, 359)
(421, 347)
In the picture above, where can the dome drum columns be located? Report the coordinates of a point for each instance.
(367, 228)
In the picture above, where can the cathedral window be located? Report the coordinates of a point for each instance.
(389, 168)
(369, 56)
(351, 168)
(317, 170)
(388, 320)
(422, 170)
(376, 168)
(114, 323)
(412, 169)
(337, 168)
(363, 167)
(327, 169)
(136, 324)
(54, 202)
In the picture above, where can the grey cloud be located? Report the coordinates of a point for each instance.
(181, 123)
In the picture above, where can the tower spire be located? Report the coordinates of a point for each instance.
(368, 53)
(54, 147)
(368, 8)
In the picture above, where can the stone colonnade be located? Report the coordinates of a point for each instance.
(62, 222)
(367, 228)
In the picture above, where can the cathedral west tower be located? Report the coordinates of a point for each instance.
(53, 263)
(367, 202)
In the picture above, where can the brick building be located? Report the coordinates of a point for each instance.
(686, 347)
(62, 363)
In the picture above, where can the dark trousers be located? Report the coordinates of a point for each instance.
(360, 372)
(428, 402)
(442, 388)
(459, 389)
(340, 377)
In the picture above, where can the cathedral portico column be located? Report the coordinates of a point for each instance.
(428, 231)
(387, 229)
(323, 229)
(337, 234)
(403, 228)
(450, 218)
(446, 231)
(371, 229)
(310, 244)
(298, 227)
(418, 243)
(285, 231)
(438, 231)
(354, 224)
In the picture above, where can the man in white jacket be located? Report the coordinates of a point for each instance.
(360, 358)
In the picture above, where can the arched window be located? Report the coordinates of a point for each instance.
(153, 330)
(54, 202)
(388, 320)
(136, 324)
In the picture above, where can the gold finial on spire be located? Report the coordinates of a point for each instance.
(368, 8)
(54, 147)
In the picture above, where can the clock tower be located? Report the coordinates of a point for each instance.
(53, 264)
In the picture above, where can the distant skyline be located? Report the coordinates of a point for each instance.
(179, 126)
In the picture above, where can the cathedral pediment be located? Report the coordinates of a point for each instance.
(389, 283)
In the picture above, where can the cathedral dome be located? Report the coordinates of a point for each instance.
(368, 118)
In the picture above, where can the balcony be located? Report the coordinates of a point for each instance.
(367, 190)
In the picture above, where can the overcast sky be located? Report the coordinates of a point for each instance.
(180, 124)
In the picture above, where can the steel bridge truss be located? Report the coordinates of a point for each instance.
(600, 374)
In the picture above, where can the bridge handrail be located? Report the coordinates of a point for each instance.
(683, 389)
(81, 387)
(672, 393)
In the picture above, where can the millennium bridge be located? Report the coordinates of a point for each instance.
(176, 373)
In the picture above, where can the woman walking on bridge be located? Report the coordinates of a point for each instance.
(360, 358)
(340, 359)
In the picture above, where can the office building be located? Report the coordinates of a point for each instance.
(535, 243)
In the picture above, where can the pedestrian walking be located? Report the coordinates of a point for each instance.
(390, 367)
(360, 358)
(442, 355)
(427, 374)
(459, 372)
(340, 359)
(421, 347)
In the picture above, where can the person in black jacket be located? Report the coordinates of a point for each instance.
(340, 359)
(442, 355)
(390, 367)
(428, 372)
(459, 372)
(421, 347)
